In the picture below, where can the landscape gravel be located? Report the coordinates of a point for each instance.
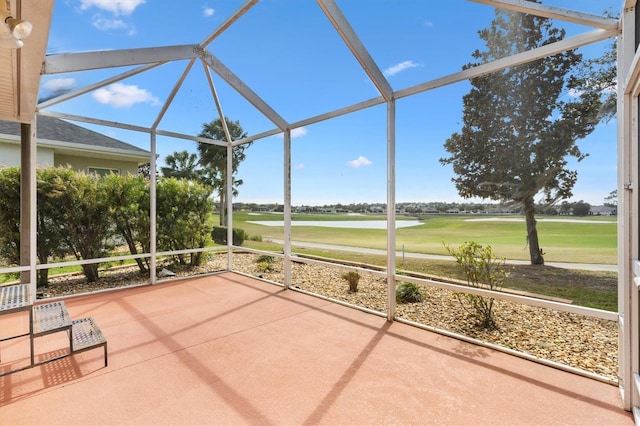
(581, 342)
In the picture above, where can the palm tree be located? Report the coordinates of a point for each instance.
(182, 165)
(214, 158)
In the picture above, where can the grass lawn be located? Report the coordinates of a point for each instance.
(566, 241)
(592, 241)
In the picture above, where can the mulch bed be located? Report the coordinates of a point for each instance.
(585, 343)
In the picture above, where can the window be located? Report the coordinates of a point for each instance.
(103, 171)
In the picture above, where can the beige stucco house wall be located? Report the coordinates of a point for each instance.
(60, 143)
(10, 153)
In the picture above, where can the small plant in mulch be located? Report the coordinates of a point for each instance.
(407, 292)
(352, 277)
(483, 270)
(265, 262)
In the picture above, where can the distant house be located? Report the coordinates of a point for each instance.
(60, 143)
(602, 211)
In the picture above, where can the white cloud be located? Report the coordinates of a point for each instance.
(56, 84)
(298, 167)
(123, 96)
(298, 132)
(428, 24)
(106, 24)
(113, 9)
(117, 7)
(208, 11)
(359, 162)
(395, 69)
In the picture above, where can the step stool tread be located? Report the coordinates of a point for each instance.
(86, 334)
(50, 317)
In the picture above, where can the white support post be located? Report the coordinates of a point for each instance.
(627, 257)
(625, 275)
(153, 210)
(33, 205)
(28, 200)
(391, 209)
(287, 208)
(627, 213)
(229, 200)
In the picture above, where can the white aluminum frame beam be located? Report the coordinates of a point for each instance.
(75, 93)
(216, 100)
(173, 93)
(511, 61)
(318, 118)
(189, 137)
(633, 73)
(341, 24)
(257, 136)
(131, 127)
(72, 62)
(228, 22)
(553, 12)
(106, 123)
(229, 170)
(244, 90)
(338, 112)
(500, 64)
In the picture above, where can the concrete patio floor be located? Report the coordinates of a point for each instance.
(227, 349)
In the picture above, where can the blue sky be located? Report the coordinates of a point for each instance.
(288, 53)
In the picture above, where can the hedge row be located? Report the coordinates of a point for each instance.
(86, 215)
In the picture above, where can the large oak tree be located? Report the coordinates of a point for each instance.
(521, 124)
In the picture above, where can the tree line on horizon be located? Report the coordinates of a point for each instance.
(566, 208)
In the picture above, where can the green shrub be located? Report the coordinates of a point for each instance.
(257, 238)
(264, 266)
(483, 269)
(265, 258)
(239, 235)
(10, 215)
(219, 235)
(265, 262)
(407, 292)
(80, 211)
(184, 218)
(352, 277)
(129, 207)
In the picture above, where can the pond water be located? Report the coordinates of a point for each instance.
(354, 224)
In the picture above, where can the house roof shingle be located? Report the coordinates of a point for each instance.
(55, 129)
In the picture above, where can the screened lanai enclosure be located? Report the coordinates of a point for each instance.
(337, 103)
